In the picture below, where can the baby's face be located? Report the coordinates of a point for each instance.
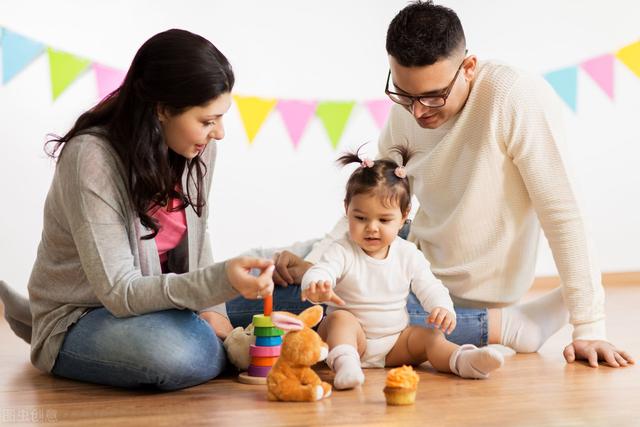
(373, 225)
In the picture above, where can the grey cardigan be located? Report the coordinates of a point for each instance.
(91, 254)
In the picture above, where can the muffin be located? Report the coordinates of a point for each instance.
(401, 386)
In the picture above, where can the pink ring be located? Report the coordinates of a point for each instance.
(262, 351)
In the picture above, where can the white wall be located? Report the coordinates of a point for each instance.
(270, 194)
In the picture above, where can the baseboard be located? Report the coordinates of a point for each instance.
(608, 279)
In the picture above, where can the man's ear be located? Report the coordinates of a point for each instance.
(469, 68)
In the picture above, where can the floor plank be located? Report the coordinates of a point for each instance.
(531, 390)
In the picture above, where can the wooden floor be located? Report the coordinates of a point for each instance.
(531, 390)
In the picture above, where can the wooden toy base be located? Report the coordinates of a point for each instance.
(246, 379)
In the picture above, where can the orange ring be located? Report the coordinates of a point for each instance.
(263, 361)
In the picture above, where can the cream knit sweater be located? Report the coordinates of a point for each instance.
(486, 180)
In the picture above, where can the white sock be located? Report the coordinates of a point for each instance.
(344, 360)
(16, 311)
(469, 361)
(525, 327)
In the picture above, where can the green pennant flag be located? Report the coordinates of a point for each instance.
(334, 116)
(64, 68)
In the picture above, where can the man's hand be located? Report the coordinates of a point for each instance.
(289, 268)
(321, 292)
(442, 319)
(593, 351)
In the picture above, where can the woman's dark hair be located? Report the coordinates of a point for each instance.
(174, 70)
(380, 179)
(423, 33)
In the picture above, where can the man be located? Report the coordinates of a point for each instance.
(490, 168)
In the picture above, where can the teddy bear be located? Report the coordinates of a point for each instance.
(237, 346)
(291, 379)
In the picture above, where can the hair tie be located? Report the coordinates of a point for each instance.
(367, 163)
(400, 172)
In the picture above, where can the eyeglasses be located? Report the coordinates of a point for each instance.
(431, 101)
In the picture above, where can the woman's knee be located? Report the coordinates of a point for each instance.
(170, 350)
(175, 348)
(185, 354)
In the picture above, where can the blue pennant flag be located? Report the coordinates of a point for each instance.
(17, 53)
(565, 83)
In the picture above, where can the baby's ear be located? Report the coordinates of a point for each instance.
(405, 216)
(312, 315)
(286, 321)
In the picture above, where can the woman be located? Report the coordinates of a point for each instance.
(125, 259)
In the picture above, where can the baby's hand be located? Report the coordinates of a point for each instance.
(442, 319)
(321, 292)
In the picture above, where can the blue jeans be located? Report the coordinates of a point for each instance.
(167, 350)
(472, 324)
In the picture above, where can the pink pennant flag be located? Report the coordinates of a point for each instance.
(379, 109)
(296, 115)
(601, 71)
(107, 79)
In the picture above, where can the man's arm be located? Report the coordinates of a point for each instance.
(534, 136)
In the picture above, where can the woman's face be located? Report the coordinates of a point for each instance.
(189, 132)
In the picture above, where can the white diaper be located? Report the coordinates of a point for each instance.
(377, 350)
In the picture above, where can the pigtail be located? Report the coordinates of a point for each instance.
(404, 152)
(348, 158)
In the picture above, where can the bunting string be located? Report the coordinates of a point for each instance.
(19, 51)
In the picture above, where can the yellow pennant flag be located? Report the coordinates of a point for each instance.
(253, 112)
(630, 56)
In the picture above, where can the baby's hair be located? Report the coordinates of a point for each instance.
(380, 179)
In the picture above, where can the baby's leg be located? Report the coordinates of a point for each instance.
(345, 337)
(417, 344)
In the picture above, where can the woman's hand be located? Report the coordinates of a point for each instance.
(289, 268)
(442, 319)
(321, 292)
(219, 323)
(249, 286)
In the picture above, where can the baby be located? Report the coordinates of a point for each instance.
(365, 279)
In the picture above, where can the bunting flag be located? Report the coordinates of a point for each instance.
(253, 112)
(379, 109)
(107, 79)
(65, 68)
(17, 53)
(565, 83)
(600, 69)
(334, 116)
(630, 56)
(296, 115)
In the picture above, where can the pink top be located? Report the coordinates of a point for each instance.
(173, 227)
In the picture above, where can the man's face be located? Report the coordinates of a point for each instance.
(434, 80)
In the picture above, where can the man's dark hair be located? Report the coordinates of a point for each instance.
(423, 33)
